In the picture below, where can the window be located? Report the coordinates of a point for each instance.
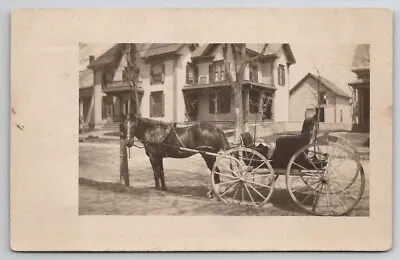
(157, 73)
(220, 102)
(322, 98)
(191, 73)
(254, 99)
(267, 107)
(217, 71)
(253, 72)
(341, 115)
(281, 75)
(192, 106)
(157, 104)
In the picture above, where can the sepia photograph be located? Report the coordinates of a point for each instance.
(156, 130)
(239, 129)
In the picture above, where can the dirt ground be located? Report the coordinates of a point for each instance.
(188, 181)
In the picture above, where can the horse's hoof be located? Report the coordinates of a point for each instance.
(210, 195)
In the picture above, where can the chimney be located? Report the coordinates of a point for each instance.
(91, 59)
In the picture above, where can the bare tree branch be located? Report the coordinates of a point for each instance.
(258, 56)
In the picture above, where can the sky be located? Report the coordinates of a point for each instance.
(332, 61)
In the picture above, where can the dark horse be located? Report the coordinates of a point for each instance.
(162, 140)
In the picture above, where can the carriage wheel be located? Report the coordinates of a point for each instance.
(325, 179)
(246, 177)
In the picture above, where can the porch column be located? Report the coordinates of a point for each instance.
(81, 107)
(361, 106)
(260, 105)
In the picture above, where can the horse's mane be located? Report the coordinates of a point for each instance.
(152, 121)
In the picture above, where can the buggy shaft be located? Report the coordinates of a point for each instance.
(197, 151)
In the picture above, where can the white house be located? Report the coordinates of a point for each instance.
(265, 85)
(186, 82)
(334, 102)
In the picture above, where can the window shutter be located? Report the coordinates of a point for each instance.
(163, 73)
(196, 74)
(210, 73)
(187, 73)
(151, 74)
(162, 104)
(151, 105)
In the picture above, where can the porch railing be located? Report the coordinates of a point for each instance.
(120, 84)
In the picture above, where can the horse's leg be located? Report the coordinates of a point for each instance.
(163, 186)
(210, 160)
(155, 164)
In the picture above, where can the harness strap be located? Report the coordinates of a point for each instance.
(172, 127)
(177, 136)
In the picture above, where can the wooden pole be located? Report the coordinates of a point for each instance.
(123, 155)
(123, 170)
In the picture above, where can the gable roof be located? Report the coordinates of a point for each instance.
(272, 49)
(325, 82)
(111, 56)
(361, 58)
(145, 50)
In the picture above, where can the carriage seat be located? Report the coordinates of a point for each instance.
(281, 148)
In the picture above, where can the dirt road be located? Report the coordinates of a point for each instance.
(188, 181)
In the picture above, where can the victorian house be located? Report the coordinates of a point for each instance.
(265, 85)
(361, 88)
(187, 82)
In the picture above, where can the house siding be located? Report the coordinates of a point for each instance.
(305, 96)
(281, 100)
(180, 71)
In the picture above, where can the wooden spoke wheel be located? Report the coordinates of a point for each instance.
(325, 179)
(245, 177)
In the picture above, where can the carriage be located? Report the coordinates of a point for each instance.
(323, 173)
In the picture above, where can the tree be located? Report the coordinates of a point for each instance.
(133, 74)
(240, 61)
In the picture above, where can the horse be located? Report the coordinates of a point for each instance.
(162, 140)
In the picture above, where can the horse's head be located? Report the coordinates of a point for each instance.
(127, 129)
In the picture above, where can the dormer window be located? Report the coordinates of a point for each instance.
(281, 75)
(157, 73)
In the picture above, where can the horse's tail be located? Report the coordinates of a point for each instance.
(224, 144)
